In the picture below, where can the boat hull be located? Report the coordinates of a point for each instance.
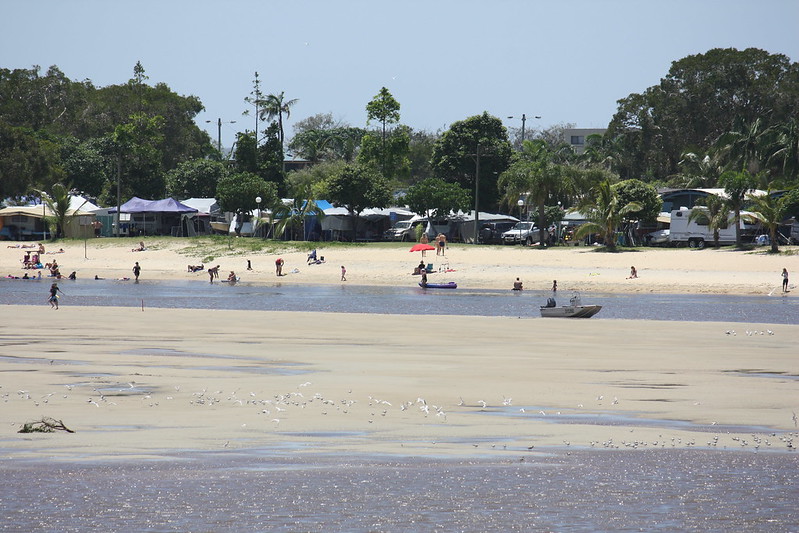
(450, 285)
(570, 311)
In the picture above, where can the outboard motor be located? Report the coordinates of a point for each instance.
(551, 302)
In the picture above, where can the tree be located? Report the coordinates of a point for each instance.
(479, 140)
(713, 211)
(743, 146)
(643, 194)
(604, 214)
(784, 149)
(195, 179)
(255, 99)
(294, 215)
(275, 105)
(770, 211)
(357, 187)
(57, 201)
(26, 161)
(437, 197)
(699, 169)
(736, 186)
(701, 98)
(389, 156)
(137, 143)
(533, 178)
(384, 109)
(237, 193)
(87, 165)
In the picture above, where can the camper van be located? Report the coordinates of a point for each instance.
(696, 234)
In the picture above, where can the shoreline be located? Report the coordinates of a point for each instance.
(660, 270)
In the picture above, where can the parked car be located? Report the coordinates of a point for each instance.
(491, 232)
(401, 231)
(657, 238)
(522, 232)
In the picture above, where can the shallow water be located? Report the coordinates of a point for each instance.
(663, 490)
(410, 300)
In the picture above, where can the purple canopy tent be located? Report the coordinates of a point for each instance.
(168, 206)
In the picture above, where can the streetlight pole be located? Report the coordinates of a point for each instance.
(219, 131)
(477, 194)
(524, 120)
(258, 201)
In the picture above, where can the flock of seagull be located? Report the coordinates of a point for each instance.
(283, 406)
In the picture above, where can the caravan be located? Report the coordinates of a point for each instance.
(696, 232)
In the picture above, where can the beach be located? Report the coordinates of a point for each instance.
(181, 418)
(137, 382)
(582, 268)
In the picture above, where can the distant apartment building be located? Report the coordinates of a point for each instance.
(576, 137)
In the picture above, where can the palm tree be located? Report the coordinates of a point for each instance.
(770, 212)
(743, 147)
(293, 216)
(532, 177)
(785, 148)
(698, 170)
(274, 105)
(604, 214)
(58, 203)
(715, 211)
(737, 185)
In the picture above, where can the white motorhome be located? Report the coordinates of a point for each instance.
(696, 233)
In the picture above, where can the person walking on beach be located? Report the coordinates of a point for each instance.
(784, 280)
(53, 299)
(424, 240)
(136, 270)
(343, 273)
(554, 285)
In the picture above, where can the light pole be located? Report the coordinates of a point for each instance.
(219, 131)
(524, 120)
(258, 201)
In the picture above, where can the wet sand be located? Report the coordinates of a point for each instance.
(135, 383)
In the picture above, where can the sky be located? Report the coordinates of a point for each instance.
(568, 62)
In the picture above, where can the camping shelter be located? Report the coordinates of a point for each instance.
(152, 217)
(29, 222)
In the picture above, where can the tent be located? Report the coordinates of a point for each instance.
(152, 217)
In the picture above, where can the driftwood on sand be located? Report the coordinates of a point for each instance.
(45, 425)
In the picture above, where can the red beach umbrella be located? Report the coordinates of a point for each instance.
(421, 248)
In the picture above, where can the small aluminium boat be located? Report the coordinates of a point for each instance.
(450, 285)
(575, 309)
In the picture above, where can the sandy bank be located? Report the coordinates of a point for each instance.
(136, 383)
(575, 268)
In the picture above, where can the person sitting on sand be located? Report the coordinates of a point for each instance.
(633, 273)
(419, 269)
(73, 276)
(517, 285)
(141, 247)
(232, 277)
(312, 257)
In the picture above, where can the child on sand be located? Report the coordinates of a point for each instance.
(343, 273)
